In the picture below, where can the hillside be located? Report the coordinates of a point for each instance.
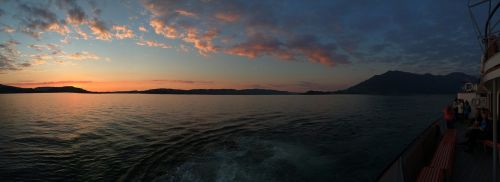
(398, 82)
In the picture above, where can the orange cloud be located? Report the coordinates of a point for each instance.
(81, 56)
(75, 17)
(259, 45)
(122, 32)
(81, 33)
(143, 29)
(59, 28)
(306, 46)
(8, 29)
(162, 29)
(227, 17)
(152, 43)
(100, 30)
(202, 42)
(319, 56)
(316, 52)
(185, 13)
(153, 8)
(38, 62)
(38, 19)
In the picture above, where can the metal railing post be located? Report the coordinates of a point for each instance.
(494, 112)
(401, 168)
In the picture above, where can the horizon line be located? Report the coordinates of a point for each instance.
(142, 90)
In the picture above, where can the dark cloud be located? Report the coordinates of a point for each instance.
(260, 45)
(401, 34)
(36, 19)
(252, 34)
(100, 29)
(329, 32)
(315, 51)
(10, 56)
(96, 11)
(438, 34)
(307, 46)
(76, 16)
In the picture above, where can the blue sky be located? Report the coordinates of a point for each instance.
(285, 45)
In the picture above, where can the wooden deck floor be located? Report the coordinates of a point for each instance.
(475, 166)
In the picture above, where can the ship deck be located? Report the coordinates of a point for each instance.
(474, 166)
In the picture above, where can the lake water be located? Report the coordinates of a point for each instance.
(135, 137)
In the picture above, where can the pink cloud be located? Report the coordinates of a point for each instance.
(227, 17)
(185, 13)
(202, 42)
(143, 29)
(84, 55)
(81, 33)
(260, 45)
(162, 29)
(152, 43)
(59, 28)
(306, 46)
(100, 30)
(263, 36)
(123, 32)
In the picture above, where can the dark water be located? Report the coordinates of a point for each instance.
(85, 137)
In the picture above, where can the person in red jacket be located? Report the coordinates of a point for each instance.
(449, 117)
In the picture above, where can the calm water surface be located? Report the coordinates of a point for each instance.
(127, 137)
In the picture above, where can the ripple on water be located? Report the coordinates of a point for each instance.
(90, 137)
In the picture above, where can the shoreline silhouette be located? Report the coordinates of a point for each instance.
(389, 83)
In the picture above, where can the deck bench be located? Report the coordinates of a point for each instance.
(489, 143)
(450, 136)
(443, 158)
(430, 174)
(442, 161)
(445, 154)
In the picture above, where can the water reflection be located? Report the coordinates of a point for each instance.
(93, 137)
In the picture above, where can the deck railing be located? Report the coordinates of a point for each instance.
(416, 155)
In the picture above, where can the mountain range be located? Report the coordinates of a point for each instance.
(389, 83)
(398, 82)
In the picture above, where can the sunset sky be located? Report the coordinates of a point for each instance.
(285, 45)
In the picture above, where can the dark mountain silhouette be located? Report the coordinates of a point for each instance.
(60, 89)
(11, 89)
(218, 92)
(315, 92)
(398, 82)
(70, 89)
(389, 83)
